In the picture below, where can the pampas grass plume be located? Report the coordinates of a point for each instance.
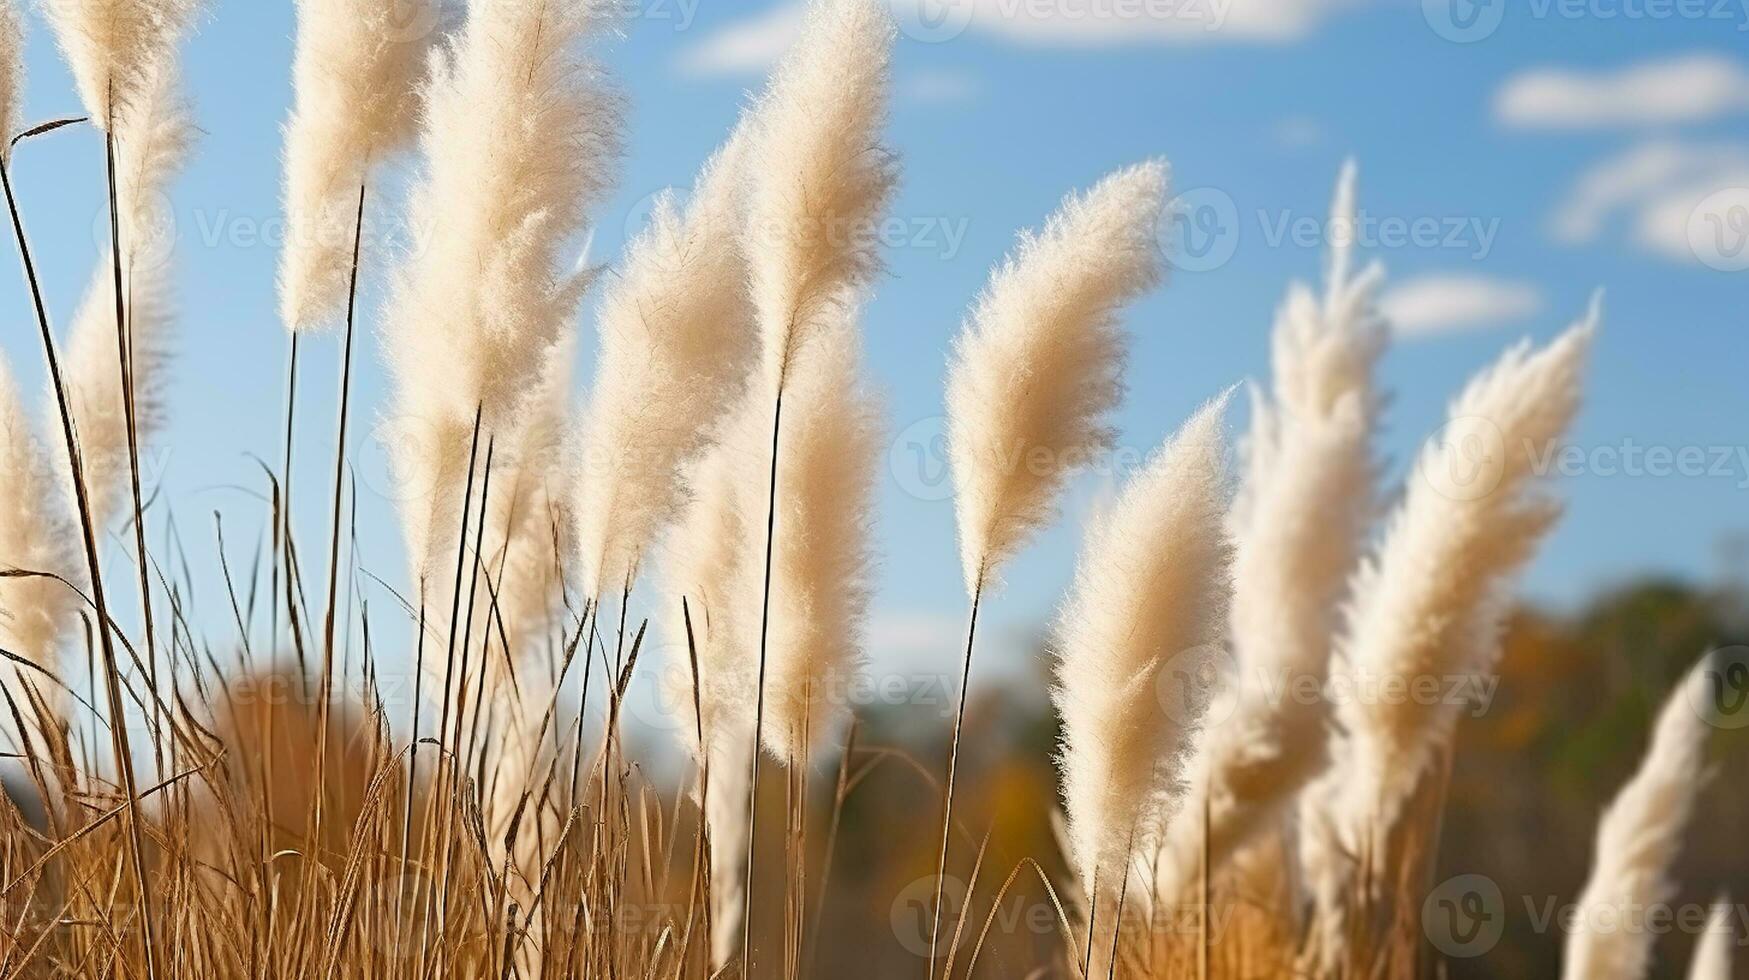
(1298, 525)
(1712, 954)
(153, 135)
(1429, 603)
(1039, 364)
(1150, 596)
(520, 140)
(355, 75)
(1638, 840)
(676, 339)
(116, 47)
(822, 176)
(820, 588)
(11, 76)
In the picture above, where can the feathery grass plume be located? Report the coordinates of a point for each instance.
(1429, 602)
(11, 76)
(1298, 525)
(355, 75)
(1040, 362)
(1638, 840)
(35, 536)
(116, 48)
(153, 134)
(1147, 607)
(823, 175)
(711, 562)
(1712, 954)
(820, 587)
(520, 140)
(676, 338)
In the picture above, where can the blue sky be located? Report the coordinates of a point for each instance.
(1510, 164)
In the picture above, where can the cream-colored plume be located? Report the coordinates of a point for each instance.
(1712, 953)
(1135, 643)
(822, 175)
(35, 536)
(825, 505)
(520, 140)
(1298, 527)
(1638, 840)
(1039, 364)
(355, 78)
(1428, 604)
(676, 339)
(153, 134)
(11, 76)
(117, 48)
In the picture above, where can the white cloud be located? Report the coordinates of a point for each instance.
(1669, 195)
(748, 46)
(753, 44)
(1064, 23)
(940, 86)
(1450, 303)
(1690, 88)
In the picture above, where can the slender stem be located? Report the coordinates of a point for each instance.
(327, 683)
(118, 730)
(125, 356)
(953, 760)
(759, 699)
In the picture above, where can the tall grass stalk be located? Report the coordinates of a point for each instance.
(119, 740)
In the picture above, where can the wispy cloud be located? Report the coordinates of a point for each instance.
(1450, 303)
(1689, 88)
(753, 44)
(748, 46)
(1668, 195)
